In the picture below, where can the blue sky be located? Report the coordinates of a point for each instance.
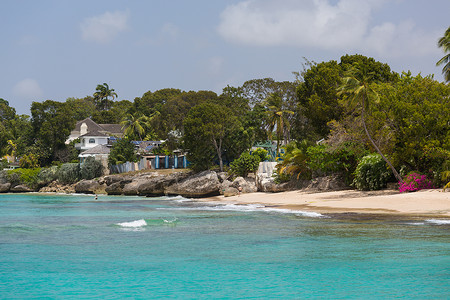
(60, 49)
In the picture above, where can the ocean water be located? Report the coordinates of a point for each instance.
(73, 246)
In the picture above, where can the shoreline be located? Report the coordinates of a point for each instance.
(351, 203)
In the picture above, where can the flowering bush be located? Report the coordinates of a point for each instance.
(415, 182)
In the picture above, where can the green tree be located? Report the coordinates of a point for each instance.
(206, 127)
(318, 100)
(52, 123)
(357, 86)
(122, 151)
(103, 92)
(444, 43)
(133, 125)
(277, 118)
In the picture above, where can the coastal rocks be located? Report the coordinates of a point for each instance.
(158, 186)
(203, 184)
(56, 187)
(264, 180)
(327, 183)
(247, 185)
(4, 187)
(230, 191)
(21, 188)
(89, 187)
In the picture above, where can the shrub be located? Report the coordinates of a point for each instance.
(91, 168)
(28, 177)
(29, 161)
(414, 182)
(47, 175)
(245, 164)
(68, 173)
(371, 173)
(261, 153)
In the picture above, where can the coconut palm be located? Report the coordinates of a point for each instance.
(444, 43)
(356, 85)
(103, 92)
(295, 159)
(133, 125)
(277, 117)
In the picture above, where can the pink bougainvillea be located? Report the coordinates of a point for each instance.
(415, 182)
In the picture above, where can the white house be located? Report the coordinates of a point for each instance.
(91, 139)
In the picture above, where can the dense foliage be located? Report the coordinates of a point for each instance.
(371, 173)
(331, 116)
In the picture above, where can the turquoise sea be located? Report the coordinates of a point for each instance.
(73, 246)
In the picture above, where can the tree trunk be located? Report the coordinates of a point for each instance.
(219, 153)
(397, 176)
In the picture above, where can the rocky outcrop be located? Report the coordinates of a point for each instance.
(21, 188)
(327, 183)
(264, 180)
(247, 185)
(89, 187)
(230, 191)
(4, 187)
(203, 184)
(56, 187)
(157, 186)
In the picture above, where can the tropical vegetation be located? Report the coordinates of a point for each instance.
(354, 117)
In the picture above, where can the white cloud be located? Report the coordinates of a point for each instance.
(345, 25)
(104, 28)
(28, 89)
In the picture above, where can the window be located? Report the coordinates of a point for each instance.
(91, 141)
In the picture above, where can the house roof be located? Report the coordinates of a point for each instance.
(115, 129)
(99, 149)
(90, 124)
(95, 133)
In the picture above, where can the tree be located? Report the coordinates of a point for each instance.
(318, 99)
(277, 118)
(122, 151)
(206, 127)
(133, 125)
(357, 86)
(103, 92)
(444, 43)
(52, 123)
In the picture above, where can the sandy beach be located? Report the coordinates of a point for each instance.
(426, 203)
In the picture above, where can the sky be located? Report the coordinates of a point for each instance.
(57, 49)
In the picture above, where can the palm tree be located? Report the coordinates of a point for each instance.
(133, 125)
(103, 92)
(295, 159)
(444, 43)
(357, 85)
(277, 117)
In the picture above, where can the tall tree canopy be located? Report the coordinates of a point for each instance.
(102, 95)
(444, 43)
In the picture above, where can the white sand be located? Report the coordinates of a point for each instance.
(421, 203)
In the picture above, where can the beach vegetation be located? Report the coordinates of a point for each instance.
(122, 150)
(91, 168)
(246, 163)
(68, 173)
(28, 177)
(415, 181)
(102, 95)
(371, 173)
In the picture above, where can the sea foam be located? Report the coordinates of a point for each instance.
(438, 222)
(133, 224)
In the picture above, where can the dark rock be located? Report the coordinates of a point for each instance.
(203, 184)
(110, 179)
(87, 187)
(4, 187)
(115, 188)
(157, 186)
